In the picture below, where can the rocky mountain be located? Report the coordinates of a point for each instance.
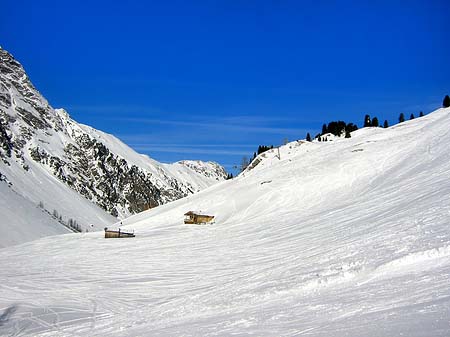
(42, 147)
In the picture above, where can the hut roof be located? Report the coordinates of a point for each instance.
(198, 214)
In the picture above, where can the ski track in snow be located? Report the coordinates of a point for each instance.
(324, 242)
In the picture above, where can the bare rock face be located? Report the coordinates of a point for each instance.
(32, 132)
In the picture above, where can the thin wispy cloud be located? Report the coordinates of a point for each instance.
(188, 150)
(115, 109)
(143, 137)
(215, 125)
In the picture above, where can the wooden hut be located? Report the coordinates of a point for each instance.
(112, 233)
(194, 218)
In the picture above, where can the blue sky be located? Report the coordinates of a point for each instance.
(212, 80)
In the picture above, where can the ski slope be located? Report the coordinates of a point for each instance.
(343, 238)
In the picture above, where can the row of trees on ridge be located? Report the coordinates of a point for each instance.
(338, 128)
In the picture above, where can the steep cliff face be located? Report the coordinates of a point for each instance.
(35, 137)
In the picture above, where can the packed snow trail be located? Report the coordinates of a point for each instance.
(342, 238)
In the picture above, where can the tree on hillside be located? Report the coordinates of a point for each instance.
(385, 125)
(263, 148)
(308, 137)
(367, 121)
(324, 129)
(446, 102)
(401, 118)
(336, 128)
(421, 114)
(375, 122)
(350, 127)
(244, 163)
(411, 117)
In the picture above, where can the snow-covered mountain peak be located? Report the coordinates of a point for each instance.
(208, 169)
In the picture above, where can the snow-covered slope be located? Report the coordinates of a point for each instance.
(16, 229)
(73, 170)
(349, 237)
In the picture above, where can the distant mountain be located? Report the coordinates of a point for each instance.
(75, 171)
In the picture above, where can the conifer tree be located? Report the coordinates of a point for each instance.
(350, 127)
(324, 129)
(411, 117)
(385, 125)
(308, 137)
(347, 134)
(401, 118)
(375, 122)
(446, 102)
(421, 114)
(367, 121)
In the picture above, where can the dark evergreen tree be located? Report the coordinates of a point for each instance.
(263, 148)
(385, 125)
(336, 128)
(375, 122)
(411, 117)
(446, 102)
(347, 134)
(324, 129)
(367, 121)
(308, 137)
(421, 114)
(350, 127)
(401, 118)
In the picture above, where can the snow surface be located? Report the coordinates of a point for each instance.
(17, 229)
(36, 186)
(343, 238)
